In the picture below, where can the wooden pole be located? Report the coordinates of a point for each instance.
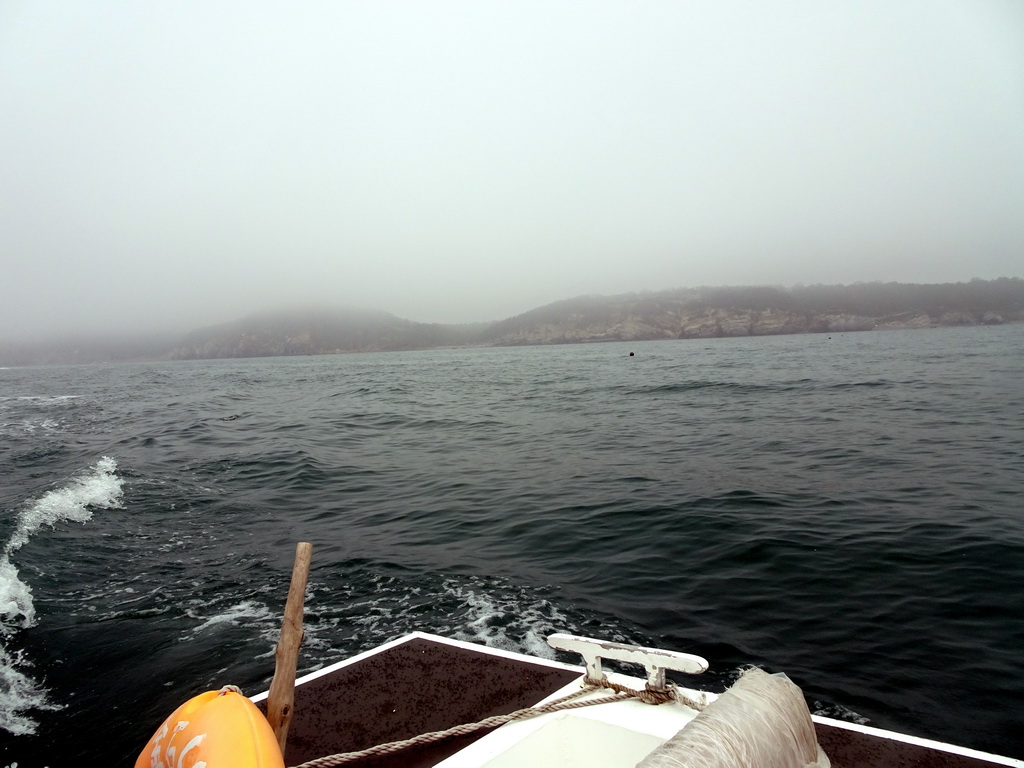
(281, 697)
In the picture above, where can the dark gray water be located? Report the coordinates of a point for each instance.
(845, 509)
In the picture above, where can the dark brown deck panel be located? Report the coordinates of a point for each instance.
(422, 686)
(416, 687)
(851, 749)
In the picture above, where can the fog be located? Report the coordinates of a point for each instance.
(170, 165)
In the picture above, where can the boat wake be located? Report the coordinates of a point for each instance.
(98, 488)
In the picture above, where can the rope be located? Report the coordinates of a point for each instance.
(622, 693)
(648, 695)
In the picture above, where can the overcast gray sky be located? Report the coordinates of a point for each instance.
(185, 163)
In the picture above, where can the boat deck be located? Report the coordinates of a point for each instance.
(422, 683)
(407, 688)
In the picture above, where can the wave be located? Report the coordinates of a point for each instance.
(39, 398)
(99, 488)
(693, 385)
(746, 387)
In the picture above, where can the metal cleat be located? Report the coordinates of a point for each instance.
(654, 660)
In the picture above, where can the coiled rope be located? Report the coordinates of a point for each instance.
(649, 695)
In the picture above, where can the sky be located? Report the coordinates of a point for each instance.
(172, 165)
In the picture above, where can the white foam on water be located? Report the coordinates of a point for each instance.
(16, 609)
(247, 611)
(30, 427)
(512, 624)
(838, 712)
(30, 414)
(99, 488)
(19, 693)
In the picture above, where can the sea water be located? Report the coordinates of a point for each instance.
(846, 509)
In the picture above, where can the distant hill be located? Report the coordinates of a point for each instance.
(673, 314)
(318, 332)
(763, 311)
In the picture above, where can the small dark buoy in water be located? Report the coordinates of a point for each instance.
(630, 354)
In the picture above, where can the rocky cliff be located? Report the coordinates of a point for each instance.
(759, 311)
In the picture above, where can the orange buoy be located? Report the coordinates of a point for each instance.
(216, 729)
